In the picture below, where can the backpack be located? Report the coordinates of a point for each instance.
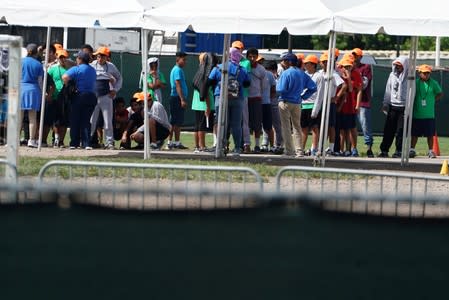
(233, 85)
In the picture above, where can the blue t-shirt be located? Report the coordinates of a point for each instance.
(295, 85)
(85, 77)
(177, 73)
(215, 75)
(31, 70)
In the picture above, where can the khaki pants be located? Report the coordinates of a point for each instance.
(290, 114)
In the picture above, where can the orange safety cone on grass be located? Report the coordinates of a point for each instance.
(436, 146)
(444, 168)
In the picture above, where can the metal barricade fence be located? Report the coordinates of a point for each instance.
(368, 191)
(153, 186)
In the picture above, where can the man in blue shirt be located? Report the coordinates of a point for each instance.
(178, 104)
(293, 86)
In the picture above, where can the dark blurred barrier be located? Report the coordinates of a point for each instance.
(271, 252)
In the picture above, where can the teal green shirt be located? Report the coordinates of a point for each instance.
(424, 106)
(197, 104)
(246, 64)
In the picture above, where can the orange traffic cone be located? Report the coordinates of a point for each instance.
(436, 146)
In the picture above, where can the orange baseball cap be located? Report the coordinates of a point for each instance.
(238, 45)
(311, 59)
(357, 51)
(324, 57)
(140, 96)
(424, 69)
(346, 62)
(62, 52)
(58, 46)
(103, 51)
(300, 56)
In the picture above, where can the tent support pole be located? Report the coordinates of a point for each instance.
(44, 91)
(408, 113)
(146, 133)
(324, 127)
(223, 106)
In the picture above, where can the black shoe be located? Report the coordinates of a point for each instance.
(370, 153)
(383, 154)
(180, 146)
(397, 154)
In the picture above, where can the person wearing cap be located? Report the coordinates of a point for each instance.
(83, 102)
(300, 57)
(108, 83)
(30, 92)
(59, 104)
(257, 85)
(270, 111)
(235, 106)
(393, 106)
(348, 107)
(135, 120)
(428, 92)
(337, 90)
(246, 135)
(293, 86)
(309, 121)
(364, 115)
(155, 79)
(177, 101)
(158, 123)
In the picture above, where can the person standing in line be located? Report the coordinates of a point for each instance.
(364, 115)
(393, 106)
(83, 102)
(108, 83)
(203, 100)
(293, 86)
(257, 77)
(246, 136)
(61, 107)
(270, 109)
(235, 103)
(311, 122)
(428, 92)
(31, 90)
(178, 103)
(155, 79)
(349, 107)
(337, 90)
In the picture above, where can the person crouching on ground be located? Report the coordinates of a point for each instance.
(428, 91)
(158, 123)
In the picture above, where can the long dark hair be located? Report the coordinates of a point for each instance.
(207, 63)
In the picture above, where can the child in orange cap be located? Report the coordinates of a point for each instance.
(428, 91)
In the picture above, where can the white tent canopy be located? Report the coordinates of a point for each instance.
(236, 16)
(49, 13)
(399, 17)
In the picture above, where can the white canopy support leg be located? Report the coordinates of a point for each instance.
(223, 106)
(408, 113)
(146, 139)
(325, 110)
(44, 92)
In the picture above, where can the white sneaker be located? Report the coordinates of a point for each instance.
(32, 144)
(432, 154)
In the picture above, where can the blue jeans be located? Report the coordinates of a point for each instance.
(234, 120)
(364, 117)
(81, 109)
